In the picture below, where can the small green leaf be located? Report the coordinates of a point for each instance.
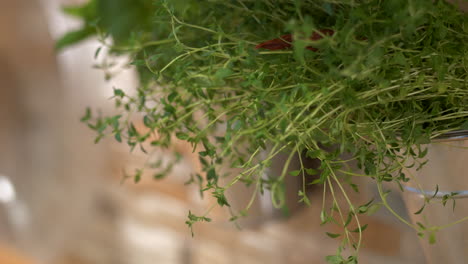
(432, 238)
(399, 58)
(359, 230)
(421, 226)
(311, 172)
(332, 235)
(119, 93)
(182, 136)
(96, 53)
(317, 153)
(219, 195)
(223, 73)
(118, 137)
(304, 198)
(172, 96)
(73, 37)
(323, 216)
(295, 172)
(363, 208)
(137, 176)
(348, 220)
(354, 187)
(334, 259)
(373, 208)
(158, 176)
(87, 115)
(132, 132)
(317, 181)
(420, 210)
(211, 175)
(98, 138)
(147, 121)
(86, 11)
(138, 62)
(436, 191)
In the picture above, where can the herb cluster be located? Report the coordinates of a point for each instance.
(392, 77)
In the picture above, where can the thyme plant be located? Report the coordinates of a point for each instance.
(392, 77)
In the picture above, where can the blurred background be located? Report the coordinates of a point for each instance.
(63, 199)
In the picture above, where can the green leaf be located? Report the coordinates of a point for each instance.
(118, 137)
(316, 153)
(399, 58)
(365, 207)
(223, 73)
(348, 220)
(138, 62)
(96, 53)
(432, 238)
(423, 153)
(420, 210)
(192, 219)
(123, 18)
(311, 172)
(86, 11)
(132, 132)
(436, 191)
(172, 96)
(73, 37)
(332, 235)
(137, 176)
(119, 93)
(295, 172)
(323, 216)
(182, 136)
(334, 259)
(317, 181)
(147, 121)
(87, 115)
(304, 198)
(219, 195)
(211, 175)
(98, 138)
(358, 230)
(158, 176)
(354, 187)
(421, 226)
(374, 208)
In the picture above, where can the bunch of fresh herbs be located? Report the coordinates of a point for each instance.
(392, 77)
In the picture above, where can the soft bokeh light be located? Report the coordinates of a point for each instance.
(7, 191)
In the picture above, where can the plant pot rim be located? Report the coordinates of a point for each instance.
(457, 135)
(452, 136)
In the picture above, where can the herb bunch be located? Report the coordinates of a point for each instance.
(392, 77)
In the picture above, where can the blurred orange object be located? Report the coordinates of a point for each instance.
(9, 255)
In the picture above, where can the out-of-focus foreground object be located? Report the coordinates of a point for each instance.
(10, 256)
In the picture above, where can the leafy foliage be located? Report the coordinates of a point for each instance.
(392, 77)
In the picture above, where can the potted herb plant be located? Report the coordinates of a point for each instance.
(246, 80)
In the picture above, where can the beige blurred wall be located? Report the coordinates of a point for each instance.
(44, 150)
